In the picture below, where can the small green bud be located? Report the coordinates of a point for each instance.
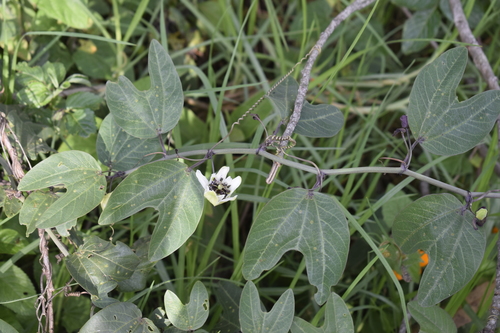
(481, 213)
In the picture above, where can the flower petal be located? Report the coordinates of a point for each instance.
(222, 174)
(229, 199)
(203, 181)
(235, 184)
(212, 198)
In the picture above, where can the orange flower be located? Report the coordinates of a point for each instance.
(424, 258)
(398, 276)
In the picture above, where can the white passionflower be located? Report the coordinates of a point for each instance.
(220, 187)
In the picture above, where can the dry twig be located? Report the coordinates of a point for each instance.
(306, 73)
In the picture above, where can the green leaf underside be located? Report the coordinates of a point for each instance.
(293, 220)
(34, 206)
(80, 122)
(117, 318)
(254, 320)
(120, 151)
(435, 115)
(70, 12)
(6, 328)
(319, 121)
(337, 319)
(435, 225)
(423, 24)
(98, 265)
(26, 132)
(82, 177)
(137, 281)
(145, 114)
(16, 287)
(316, 121)
(192, 315)
(432, 319)
(167, 187)
(228, 296)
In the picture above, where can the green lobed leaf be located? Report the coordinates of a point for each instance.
(118, 318)
(337, 319)
(137, 281)
(11, 242)
(120, 151)
(228, 297)
(254, 320)
(434, 114)
(70, 12)
(11, 205)
(319, 121)
(95, 59)
(432, 319)
(98, 265)
(80, 122)
(145, 114)
(33, 208)
(167, 187)
(434, 224)
(6, 328)
(79, 173)
(38, 82)
(83, 100)
(15, 290)
(27, 134)
(191, 316)
(62, 229)
(311, 224)
(72, 310)
(316, 121)
(423, 24)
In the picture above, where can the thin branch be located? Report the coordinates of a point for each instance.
(495, 305)
(475, 50)
(46, 292)
(306, 73)
(329, 172)
(45, 300)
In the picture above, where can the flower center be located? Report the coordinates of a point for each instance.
(219, 187)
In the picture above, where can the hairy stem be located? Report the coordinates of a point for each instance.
(329, 172)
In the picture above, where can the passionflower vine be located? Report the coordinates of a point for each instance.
(220, 187)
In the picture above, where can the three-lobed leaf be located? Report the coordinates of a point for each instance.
(16, 291)
(337, 319)
(119, 150)
(168, 187)
(316, 121)
(446, 126)
(191, 316)
(432, 319)
(228, 297)
(254, 320)
(117, 318)
(423, 24)
(33, 208)
(145, 114)
(80, 173)
(435, 224)
(299, 220)
(98, 265)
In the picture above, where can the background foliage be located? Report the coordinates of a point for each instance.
(97, 95)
